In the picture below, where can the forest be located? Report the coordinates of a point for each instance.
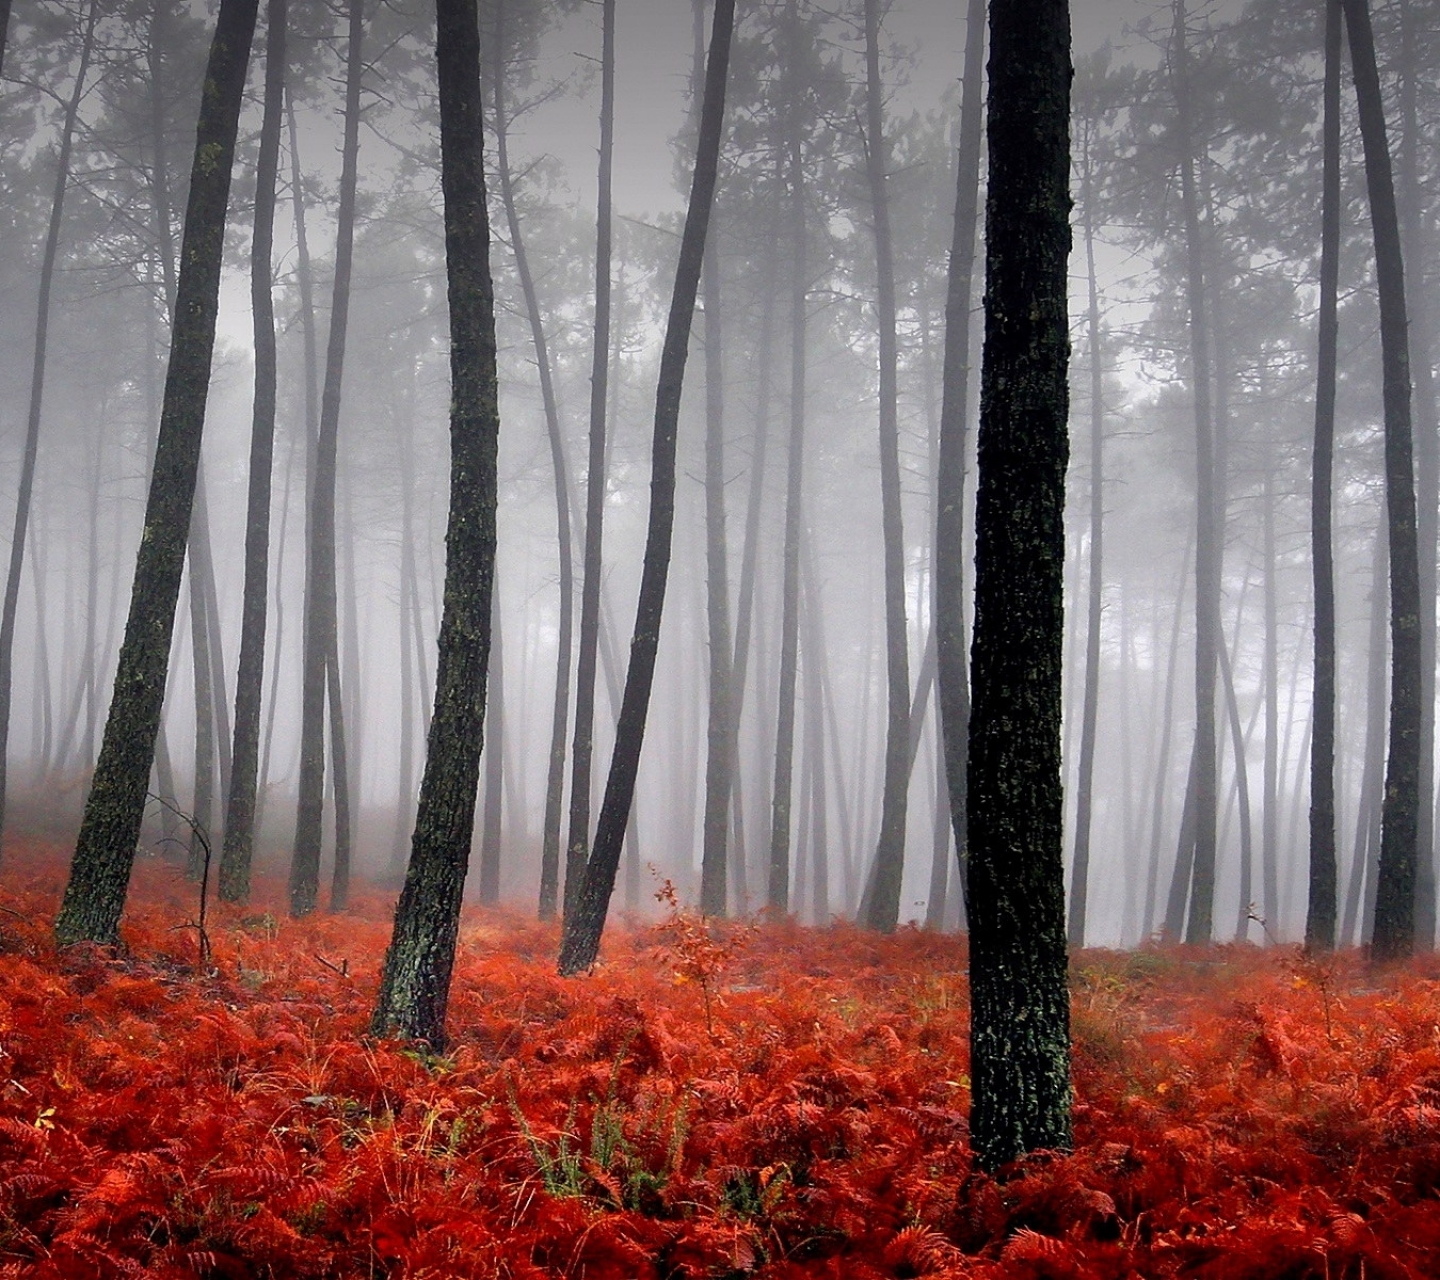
(1003, 841)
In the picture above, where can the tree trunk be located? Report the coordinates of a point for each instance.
(1320, 914)
(560, 708)
(415, 982)
(320, 609)
(585, 923)
(1360, 892)
(884, 913)
(494, 762)
(1020, 1039)
(950, 648)
(105, 850)
(577, 844)
(1084, 783)
(1394, 936)
(777, 892)
(240, 812)
(31, 447)
(1208, 548)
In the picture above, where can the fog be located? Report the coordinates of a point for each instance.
(1257, 157)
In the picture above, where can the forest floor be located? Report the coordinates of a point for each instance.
(771, 1101)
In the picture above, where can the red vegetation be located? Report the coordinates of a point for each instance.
(1239, 1114)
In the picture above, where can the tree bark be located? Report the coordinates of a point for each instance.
(584, 924)
(105, 851)
(1394, 936)
(415, 982)
(1020, 1038)
(1321, 911)
(320, 604)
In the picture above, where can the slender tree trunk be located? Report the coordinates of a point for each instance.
(415, 982)
(950, 632)
(555, 770)
(1019, 1037)
(31, 447)
(1427, 463)
(777, 894)
(577, 844)
(320, 605)
(240, 812)
(815, 665)
(1360, 892)
(1395, 886)
(1208, 550)
(884, 913)
(340, 781)
(1320, 915)
(105, 850)
(1080, 873)
(586, 921)
(1242, 788)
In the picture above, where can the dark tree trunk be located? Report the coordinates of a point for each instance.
(586, 921)
(815, 666)
(1020, 1039)
(31, 447)
(1427, 461)
(415, 982)
(560, 708)
(1394, 935)
(1242, 790)
(1360, 891)
(1089, 714)
(105, 850)
(240, 812)
(1320, 914)
(320, 608)
(577, 844)
(1208, 549)
(884, 912)
(950, 649)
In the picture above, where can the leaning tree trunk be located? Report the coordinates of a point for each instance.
(1394, 935)
(884, 906)
(1321, 912)
(584, 924)
(952, 671)
(105, 850)
(577, 843)
(320, 611)
(415, 982)
(1019, 1038)
(555, 770)
(236, 853)
(37, 389)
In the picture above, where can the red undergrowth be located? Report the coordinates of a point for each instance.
(785, 1103)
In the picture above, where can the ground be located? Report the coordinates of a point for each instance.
(770, 1101)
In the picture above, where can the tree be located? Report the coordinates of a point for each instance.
(1019, 1039)
(240, 808)
(105, 850)
(884, 902)
(320, 616)
(577, 842)
(1321, 912)
(585, 923)
(415, 981)
(37, 386)
(1394, 935)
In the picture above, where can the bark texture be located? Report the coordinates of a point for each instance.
(105, 850)
(1020, 1010)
